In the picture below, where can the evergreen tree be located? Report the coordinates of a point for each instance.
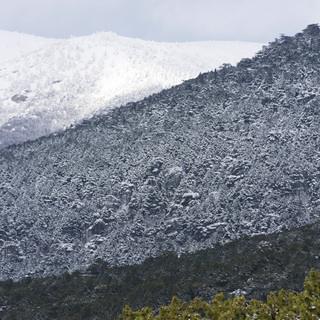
(287, 305)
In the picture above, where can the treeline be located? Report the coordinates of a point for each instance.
(285, 305)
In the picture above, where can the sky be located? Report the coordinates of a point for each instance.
(161, 20)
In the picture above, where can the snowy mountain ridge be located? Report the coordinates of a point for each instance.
(70, 80)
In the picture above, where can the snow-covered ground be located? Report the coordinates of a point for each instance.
(51, 84)
(14, 45)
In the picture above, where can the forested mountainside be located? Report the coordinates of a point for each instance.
(70, 80)
(251, 266)
(233, 152)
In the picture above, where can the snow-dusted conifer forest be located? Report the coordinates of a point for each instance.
(230, 153)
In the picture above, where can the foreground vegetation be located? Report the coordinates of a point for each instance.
(251, 266)
(285, 305)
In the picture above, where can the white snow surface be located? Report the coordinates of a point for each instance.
(66, 81)
(14, 45)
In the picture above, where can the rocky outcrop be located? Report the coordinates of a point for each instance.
(18, 98)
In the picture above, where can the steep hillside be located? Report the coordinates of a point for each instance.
(233, 152)
(73, 79)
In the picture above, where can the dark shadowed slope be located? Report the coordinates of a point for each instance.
(251, 266)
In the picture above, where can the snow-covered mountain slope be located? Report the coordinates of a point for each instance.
(233, 152)
(15, 45)
(73, 79)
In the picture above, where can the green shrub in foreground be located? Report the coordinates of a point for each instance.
(285, 305)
